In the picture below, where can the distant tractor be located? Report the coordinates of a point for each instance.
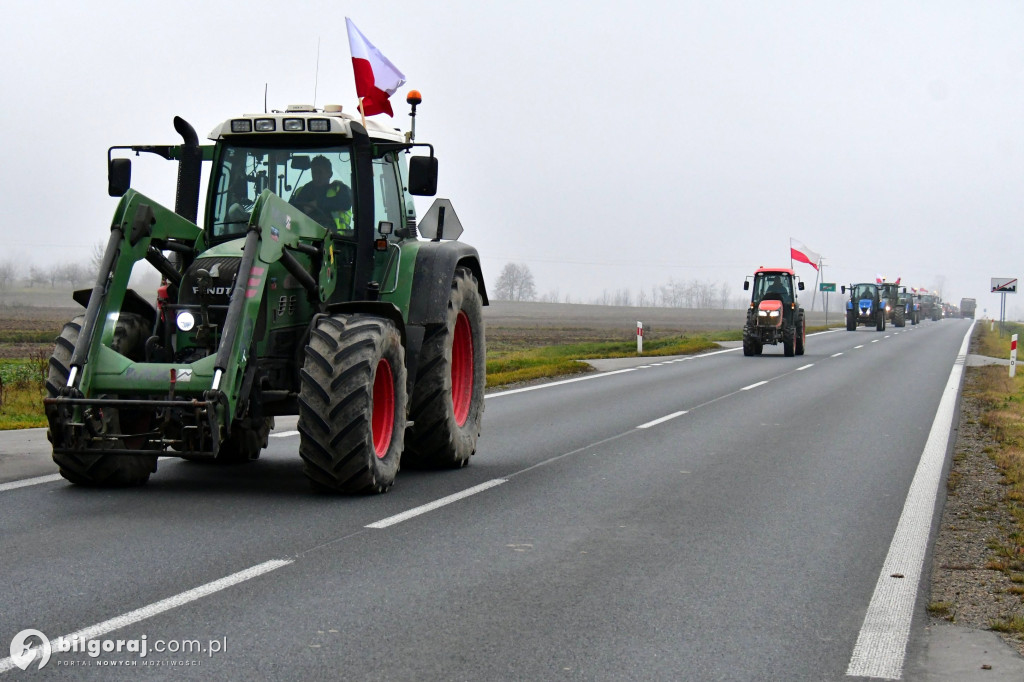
(967, 307)
(894, 312)
(865, 307)
(774, 315)
(909, 302)
(931, 307)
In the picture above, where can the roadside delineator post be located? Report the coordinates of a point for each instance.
(639, 337)
(1013, 355)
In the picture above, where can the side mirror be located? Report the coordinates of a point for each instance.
(843, 288)
(300, 162)
(119, 177)
(800, 286)
(423, 176)
(746, 285)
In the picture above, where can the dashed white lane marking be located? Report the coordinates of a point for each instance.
(430, 506)
(882, 642)
(284, 434)
(835, 355)
(662, 419)
(798, 369)
(29, 481)
(860, 346)
(747, 388)
(132, 617)
(875, 340)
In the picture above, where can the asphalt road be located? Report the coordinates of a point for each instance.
(707, 518)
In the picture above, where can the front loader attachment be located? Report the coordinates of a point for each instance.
(115, 392)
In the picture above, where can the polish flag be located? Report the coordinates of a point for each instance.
(799, 252)
(376, 77)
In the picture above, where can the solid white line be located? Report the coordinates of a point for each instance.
(662, 419)
(416, 511)
(882, 642)
(804, 367)
(29, 481)
(558, 383)
(284, 434)
(747, 388)
(132, 617)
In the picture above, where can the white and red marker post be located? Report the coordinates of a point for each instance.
(639, 337)
(1013, 355)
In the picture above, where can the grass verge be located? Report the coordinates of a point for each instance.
(1002, 401)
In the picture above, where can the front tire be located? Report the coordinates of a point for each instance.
(352, 404)
(851, 321)
(789, 340)
(92, 465)
(448, 397)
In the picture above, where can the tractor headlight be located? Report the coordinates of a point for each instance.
(186, 321)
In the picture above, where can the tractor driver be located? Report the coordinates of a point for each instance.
(323, 200)
(778, 286)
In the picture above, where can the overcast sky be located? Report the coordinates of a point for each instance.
(606, 145)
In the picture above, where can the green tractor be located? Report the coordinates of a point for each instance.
(895, 307)
(301, 295)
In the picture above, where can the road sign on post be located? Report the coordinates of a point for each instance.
(827, 286)
(1003, 286)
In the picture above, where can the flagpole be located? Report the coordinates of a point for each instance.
(814, 292)
(790, 253)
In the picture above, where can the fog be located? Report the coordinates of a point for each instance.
(605, 145)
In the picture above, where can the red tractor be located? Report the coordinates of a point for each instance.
(774, 315)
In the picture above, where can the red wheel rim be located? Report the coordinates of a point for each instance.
(462, 369)
(382, 418)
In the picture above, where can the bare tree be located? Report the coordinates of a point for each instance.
(515, 284)
(36, 275)
(8, 272)
(97, 256)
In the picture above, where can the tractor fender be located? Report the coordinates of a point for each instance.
(849, 305)
(432, 281)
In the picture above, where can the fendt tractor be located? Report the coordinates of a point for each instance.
(307, 292)
(931, 307)
(895, 312)
(864, 307)
(774, 315)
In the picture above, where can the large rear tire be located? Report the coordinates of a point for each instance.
(352, 404)
(448, 397)
(801, 334)
(83, 467)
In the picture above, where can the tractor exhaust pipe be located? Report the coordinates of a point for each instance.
(186, 202)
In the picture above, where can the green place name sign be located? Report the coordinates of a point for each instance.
(826, 286)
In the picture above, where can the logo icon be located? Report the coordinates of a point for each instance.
(23, 652)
